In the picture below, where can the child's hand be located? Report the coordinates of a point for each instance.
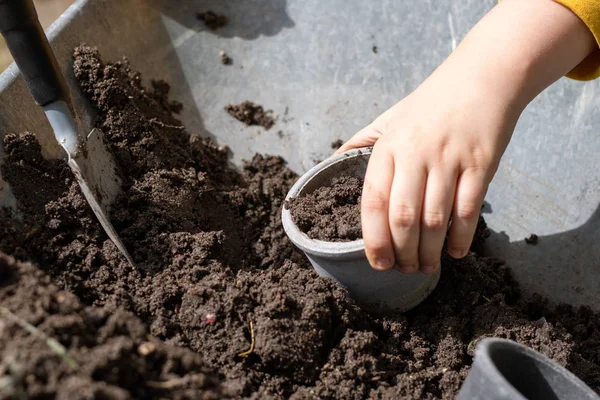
(436, 151)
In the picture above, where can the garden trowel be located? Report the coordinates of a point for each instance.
(92, 164)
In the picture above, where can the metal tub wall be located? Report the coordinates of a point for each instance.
(313, 63)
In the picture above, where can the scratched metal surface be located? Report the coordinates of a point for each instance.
(312, 63)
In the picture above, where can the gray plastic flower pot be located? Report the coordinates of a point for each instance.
(503, 369)
(346, 262)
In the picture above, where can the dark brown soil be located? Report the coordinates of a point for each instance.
(109, 354)
(330, 213)
(336, 144)
(213, 20)
(220, 304)
(251, 114)
(225, 59)
(532, 239)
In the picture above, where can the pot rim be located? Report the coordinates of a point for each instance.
(487, 364)
(320, 248)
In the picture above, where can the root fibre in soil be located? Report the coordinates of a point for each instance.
(216, 277)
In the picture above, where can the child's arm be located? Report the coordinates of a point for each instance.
(589, 12)
(437, 150)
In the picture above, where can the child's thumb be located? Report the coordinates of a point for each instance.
(365, 138)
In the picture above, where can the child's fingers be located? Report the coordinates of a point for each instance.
(374, 209)
(405, 212)
(437, 207)
(470, 192)
(365, 138)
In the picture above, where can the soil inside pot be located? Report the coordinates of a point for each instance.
(330, 213)
(220, 304)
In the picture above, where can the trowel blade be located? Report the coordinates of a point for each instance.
(95, 172)
(93, 166)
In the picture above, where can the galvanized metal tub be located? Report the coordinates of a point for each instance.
(314, 64)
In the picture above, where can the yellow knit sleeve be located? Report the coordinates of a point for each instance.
(589, 12)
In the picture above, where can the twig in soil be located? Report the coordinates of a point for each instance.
(54, 345)
(251, 349)
(162, 124)
(32, 232)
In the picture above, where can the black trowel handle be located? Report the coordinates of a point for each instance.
(29, 47)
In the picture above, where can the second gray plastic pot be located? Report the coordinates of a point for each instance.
(346, 262)
(504, 370)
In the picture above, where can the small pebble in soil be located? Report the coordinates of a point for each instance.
(251, 114)
(532, 239)
(330, 213)
(210, 318)
(146, 348)
(225, 59)
(336, 144)
(212, 20)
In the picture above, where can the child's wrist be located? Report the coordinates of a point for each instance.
(514, 54)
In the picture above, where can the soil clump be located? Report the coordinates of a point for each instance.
(251, 114)
(336, 144)
(213, 20)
